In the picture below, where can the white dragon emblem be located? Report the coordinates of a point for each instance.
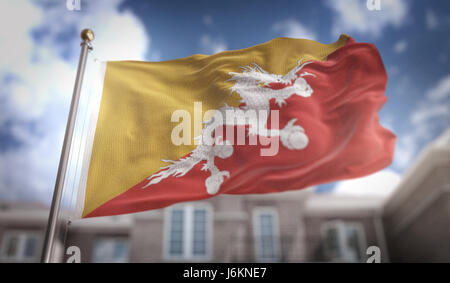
(253, 86)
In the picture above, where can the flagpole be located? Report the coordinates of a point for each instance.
(87, 36)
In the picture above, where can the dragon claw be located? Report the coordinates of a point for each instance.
(280, 102)
(293, 136)
(214, 181)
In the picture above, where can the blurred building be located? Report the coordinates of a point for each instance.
(298, 226)
(417, 216)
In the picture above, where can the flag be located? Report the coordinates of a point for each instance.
(305, 113)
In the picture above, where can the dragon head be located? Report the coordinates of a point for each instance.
(255, 75)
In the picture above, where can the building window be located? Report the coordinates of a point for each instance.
(189, 232)
(20, 246)
(266, 234)
(113, 250)
(176, 232)
(199, 232)
(343, 241)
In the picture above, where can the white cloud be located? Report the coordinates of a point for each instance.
(353, 16)
(15, 30)
(431, 114)
(208, 21)
(38, 61)
(436, 105)
(400, 46)
(441, 91)
(393, 70)
(294, 29)
(119, 35)
(212, 45)
(431, 20)
(387, 120)
(424, 114)
(405, 150)
(380, 184)
(403, 83)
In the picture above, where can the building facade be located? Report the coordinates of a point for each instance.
(297, 226)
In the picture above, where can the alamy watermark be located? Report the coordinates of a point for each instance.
(235, 126)
(373, 254)
(74, 254)
(73, 5)
(373, 5)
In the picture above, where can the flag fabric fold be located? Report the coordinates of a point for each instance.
(326, 98)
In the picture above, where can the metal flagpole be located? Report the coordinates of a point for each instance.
(87, 36)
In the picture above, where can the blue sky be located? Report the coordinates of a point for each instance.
(41, 45)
